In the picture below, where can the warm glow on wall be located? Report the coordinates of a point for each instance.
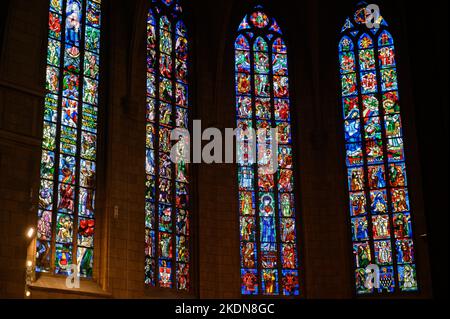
(30, 232)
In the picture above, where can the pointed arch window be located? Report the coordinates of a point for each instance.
(268, 236)
(167, 211)
(66, 217)
(380, 210)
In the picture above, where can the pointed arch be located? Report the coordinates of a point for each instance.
(268, 221)
(380, 213)
(66, 217)
(167, 205)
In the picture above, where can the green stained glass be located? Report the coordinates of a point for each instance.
(268, 249)
(167, 216)
(377, 178)
(70, 120)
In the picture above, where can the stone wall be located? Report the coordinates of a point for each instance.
(312, 33)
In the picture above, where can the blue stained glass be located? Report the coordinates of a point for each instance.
(289, 256)
(348, 82)
(244, 24)
(93, 15)
(150, 271)
(372, 128)
(74, 194)
(51, 108)
(269, 255)
(275, 28)
(346, 44)
(151, 18)
(67, 169)
(63, 259)
(387, 279)
(52, 81)
(378, 201)
(354, 154)
(358, 204)
(71, 84)
(407, 278)
(166, 183)
(360, 229)
(360, 280)
(269, 280)
(85, 260)
(386, 57)
(249, 284)
(395, 150)
(400, 200)
(402, 225)
(280, 63)
(352, 131)
(405, 251)
(279, 46)
(347, 62)
(389, 80)
(92, 39)
(54, 23)
(365, 41)
(74, 21)
(56, 6)
(68, 140)
(385, 39)
(53, 54)
(351, 108)
(356, 179)
(348, 25)
(377, 177)
(69, 112)
(72, 59)
(368, 82)
(247, 228)
(366, 59)
(43, 254)
(290, 283)
(242, 43)
(181, 29)
(246, 178)
(268, 230)
(46, 195)
(165, 218)
(260, 45)
(165, 24)
(269, 263)
(91, 65)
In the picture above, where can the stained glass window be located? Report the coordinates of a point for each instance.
(268, 239)
(167, 211)
(380, 211)
(66, 221)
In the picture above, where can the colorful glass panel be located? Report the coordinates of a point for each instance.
(69, 148)
(167, 210)
(379, 200)
(268, 242)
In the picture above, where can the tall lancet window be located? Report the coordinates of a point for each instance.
(380, 212)
(167, 213)
(66, 221)
(268, 236)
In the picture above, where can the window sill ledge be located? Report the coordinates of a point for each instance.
(55, 284)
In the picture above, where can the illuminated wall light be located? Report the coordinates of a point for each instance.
(30, 232)
(28, 293)
(29, 263)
